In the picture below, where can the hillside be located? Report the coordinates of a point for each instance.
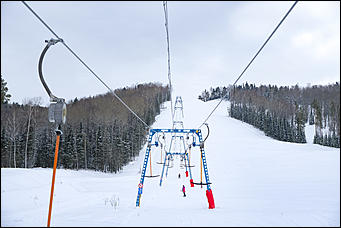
(256, 181)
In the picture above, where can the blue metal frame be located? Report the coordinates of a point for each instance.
(169, 154)
(145, 163)
(202, 150)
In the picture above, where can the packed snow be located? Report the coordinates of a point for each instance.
(256, 181)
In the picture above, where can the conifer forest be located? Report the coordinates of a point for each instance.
(283, 112)
(99, 134)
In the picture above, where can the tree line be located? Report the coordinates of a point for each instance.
(282, 112)
(213, 93)
(99, 133)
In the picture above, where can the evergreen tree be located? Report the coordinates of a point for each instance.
(5, 96)
(99, 149)
(299, 121)
(4, 147)
(311, 117)
(45, 150)
(325, 140)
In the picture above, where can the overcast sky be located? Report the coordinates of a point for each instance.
(125, 44)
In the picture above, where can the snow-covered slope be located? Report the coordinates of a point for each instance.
(256, 181)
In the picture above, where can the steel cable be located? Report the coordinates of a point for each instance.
(250, 63)
(165, 9)
(63, 42)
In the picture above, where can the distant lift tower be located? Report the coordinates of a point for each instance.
(178, 114)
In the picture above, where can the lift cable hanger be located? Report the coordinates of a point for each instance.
(57, 107)
(63, 42)
(249, 63)
(56, 114)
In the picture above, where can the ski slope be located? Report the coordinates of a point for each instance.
(256, 181)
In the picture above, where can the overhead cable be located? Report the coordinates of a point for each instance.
(165, 8)
(249, 63)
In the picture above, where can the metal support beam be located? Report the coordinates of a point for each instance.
(143, 173)
(176, 134)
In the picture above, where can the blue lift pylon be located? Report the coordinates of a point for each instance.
(177, 133)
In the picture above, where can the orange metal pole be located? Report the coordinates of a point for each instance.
(53, 178)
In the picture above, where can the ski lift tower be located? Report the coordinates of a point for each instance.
(178, 146)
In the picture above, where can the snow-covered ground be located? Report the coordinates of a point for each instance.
(256, 181)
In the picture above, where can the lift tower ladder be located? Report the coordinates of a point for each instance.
(145, 163)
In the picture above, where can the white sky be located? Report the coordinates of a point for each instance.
(125, 44)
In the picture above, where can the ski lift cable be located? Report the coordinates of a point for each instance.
(63, 42)
(250, 63)
(165, 9)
